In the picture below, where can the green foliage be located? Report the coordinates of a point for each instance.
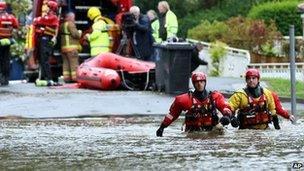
(237, 32)
(282, 87)
(220, 10)
(209, 32)
(19, 7)
(217, 51)
(192, 20)
(283, 13)
(267, 49)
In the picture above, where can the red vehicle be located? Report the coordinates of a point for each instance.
(112, 9)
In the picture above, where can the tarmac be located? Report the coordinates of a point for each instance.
(25, 100)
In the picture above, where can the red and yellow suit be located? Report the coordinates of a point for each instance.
(253, 113)
(200, 114)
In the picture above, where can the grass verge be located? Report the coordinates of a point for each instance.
(282, 87)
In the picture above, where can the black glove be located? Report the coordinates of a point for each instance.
(160, 130)
(234, 122)
(225, 120)
(275, 121)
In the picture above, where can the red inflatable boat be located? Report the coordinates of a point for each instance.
(105, 70)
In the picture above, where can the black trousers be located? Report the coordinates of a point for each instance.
(45, 51)
(4, 64)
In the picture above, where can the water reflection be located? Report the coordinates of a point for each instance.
(130, 143)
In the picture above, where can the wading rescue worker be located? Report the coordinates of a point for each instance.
(7, 23)
(99, 38)
(46, 27)
(255, 105)
(142, 35)
(69, 47)
(168, 25)
(200, 106)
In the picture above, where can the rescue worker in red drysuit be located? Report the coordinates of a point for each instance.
(255, 106)
(46, 27)
(200, 107)
(7, 23)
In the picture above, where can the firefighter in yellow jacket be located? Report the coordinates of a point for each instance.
(255, 105)
(99, 38)
(69, 47)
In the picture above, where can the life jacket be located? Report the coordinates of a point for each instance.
(47, 25)
(7, 23)
(256, 112)
(202, 114)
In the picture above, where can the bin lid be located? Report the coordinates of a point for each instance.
(175, 45)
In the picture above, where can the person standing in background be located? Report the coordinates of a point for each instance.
(154, 25)
(168, 25)
(69, 47)
(7, 23)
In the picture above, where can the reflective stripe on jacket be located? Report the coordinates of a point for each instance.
(99, 38)
(69, 36)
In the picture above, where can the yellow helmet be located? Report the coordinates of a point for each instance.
(93, 12)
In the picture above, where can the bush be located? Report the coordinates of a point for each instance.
(282, 13)
(217, 51)
(192, 20)
(237, 32)
(209, 32)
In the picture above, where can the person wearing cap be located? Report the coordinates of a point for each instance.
(201, 108)
(46, 29)
(254, 104)
(99, 38)
(7, 23)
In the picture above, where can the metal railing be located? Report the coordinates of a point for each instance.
(279, 70)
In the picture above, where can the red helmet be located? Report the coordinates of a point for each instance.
(2, 5)
(252, 72)
(52, 5)
(198, 76)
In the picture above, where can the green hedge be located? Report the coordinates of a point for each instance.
(193, 20)
(284, 14)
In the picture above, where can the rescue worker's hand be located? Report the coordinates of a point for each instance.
(234, 122)
(86, 36)
(54, 40)
(227, 111)
(292, 118)
(160, 130)
(225, 120)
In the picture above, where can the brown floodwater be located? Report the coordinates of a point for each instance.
(129, 143)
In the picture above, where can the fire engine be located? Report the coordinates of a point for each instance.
(111, 9)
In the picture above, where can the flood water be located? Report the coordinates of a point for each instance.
(116, 143)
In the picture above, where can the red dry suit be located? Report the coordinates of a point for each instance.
(279, 108)
(7, 23)
(46, 25)
(200, 114)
